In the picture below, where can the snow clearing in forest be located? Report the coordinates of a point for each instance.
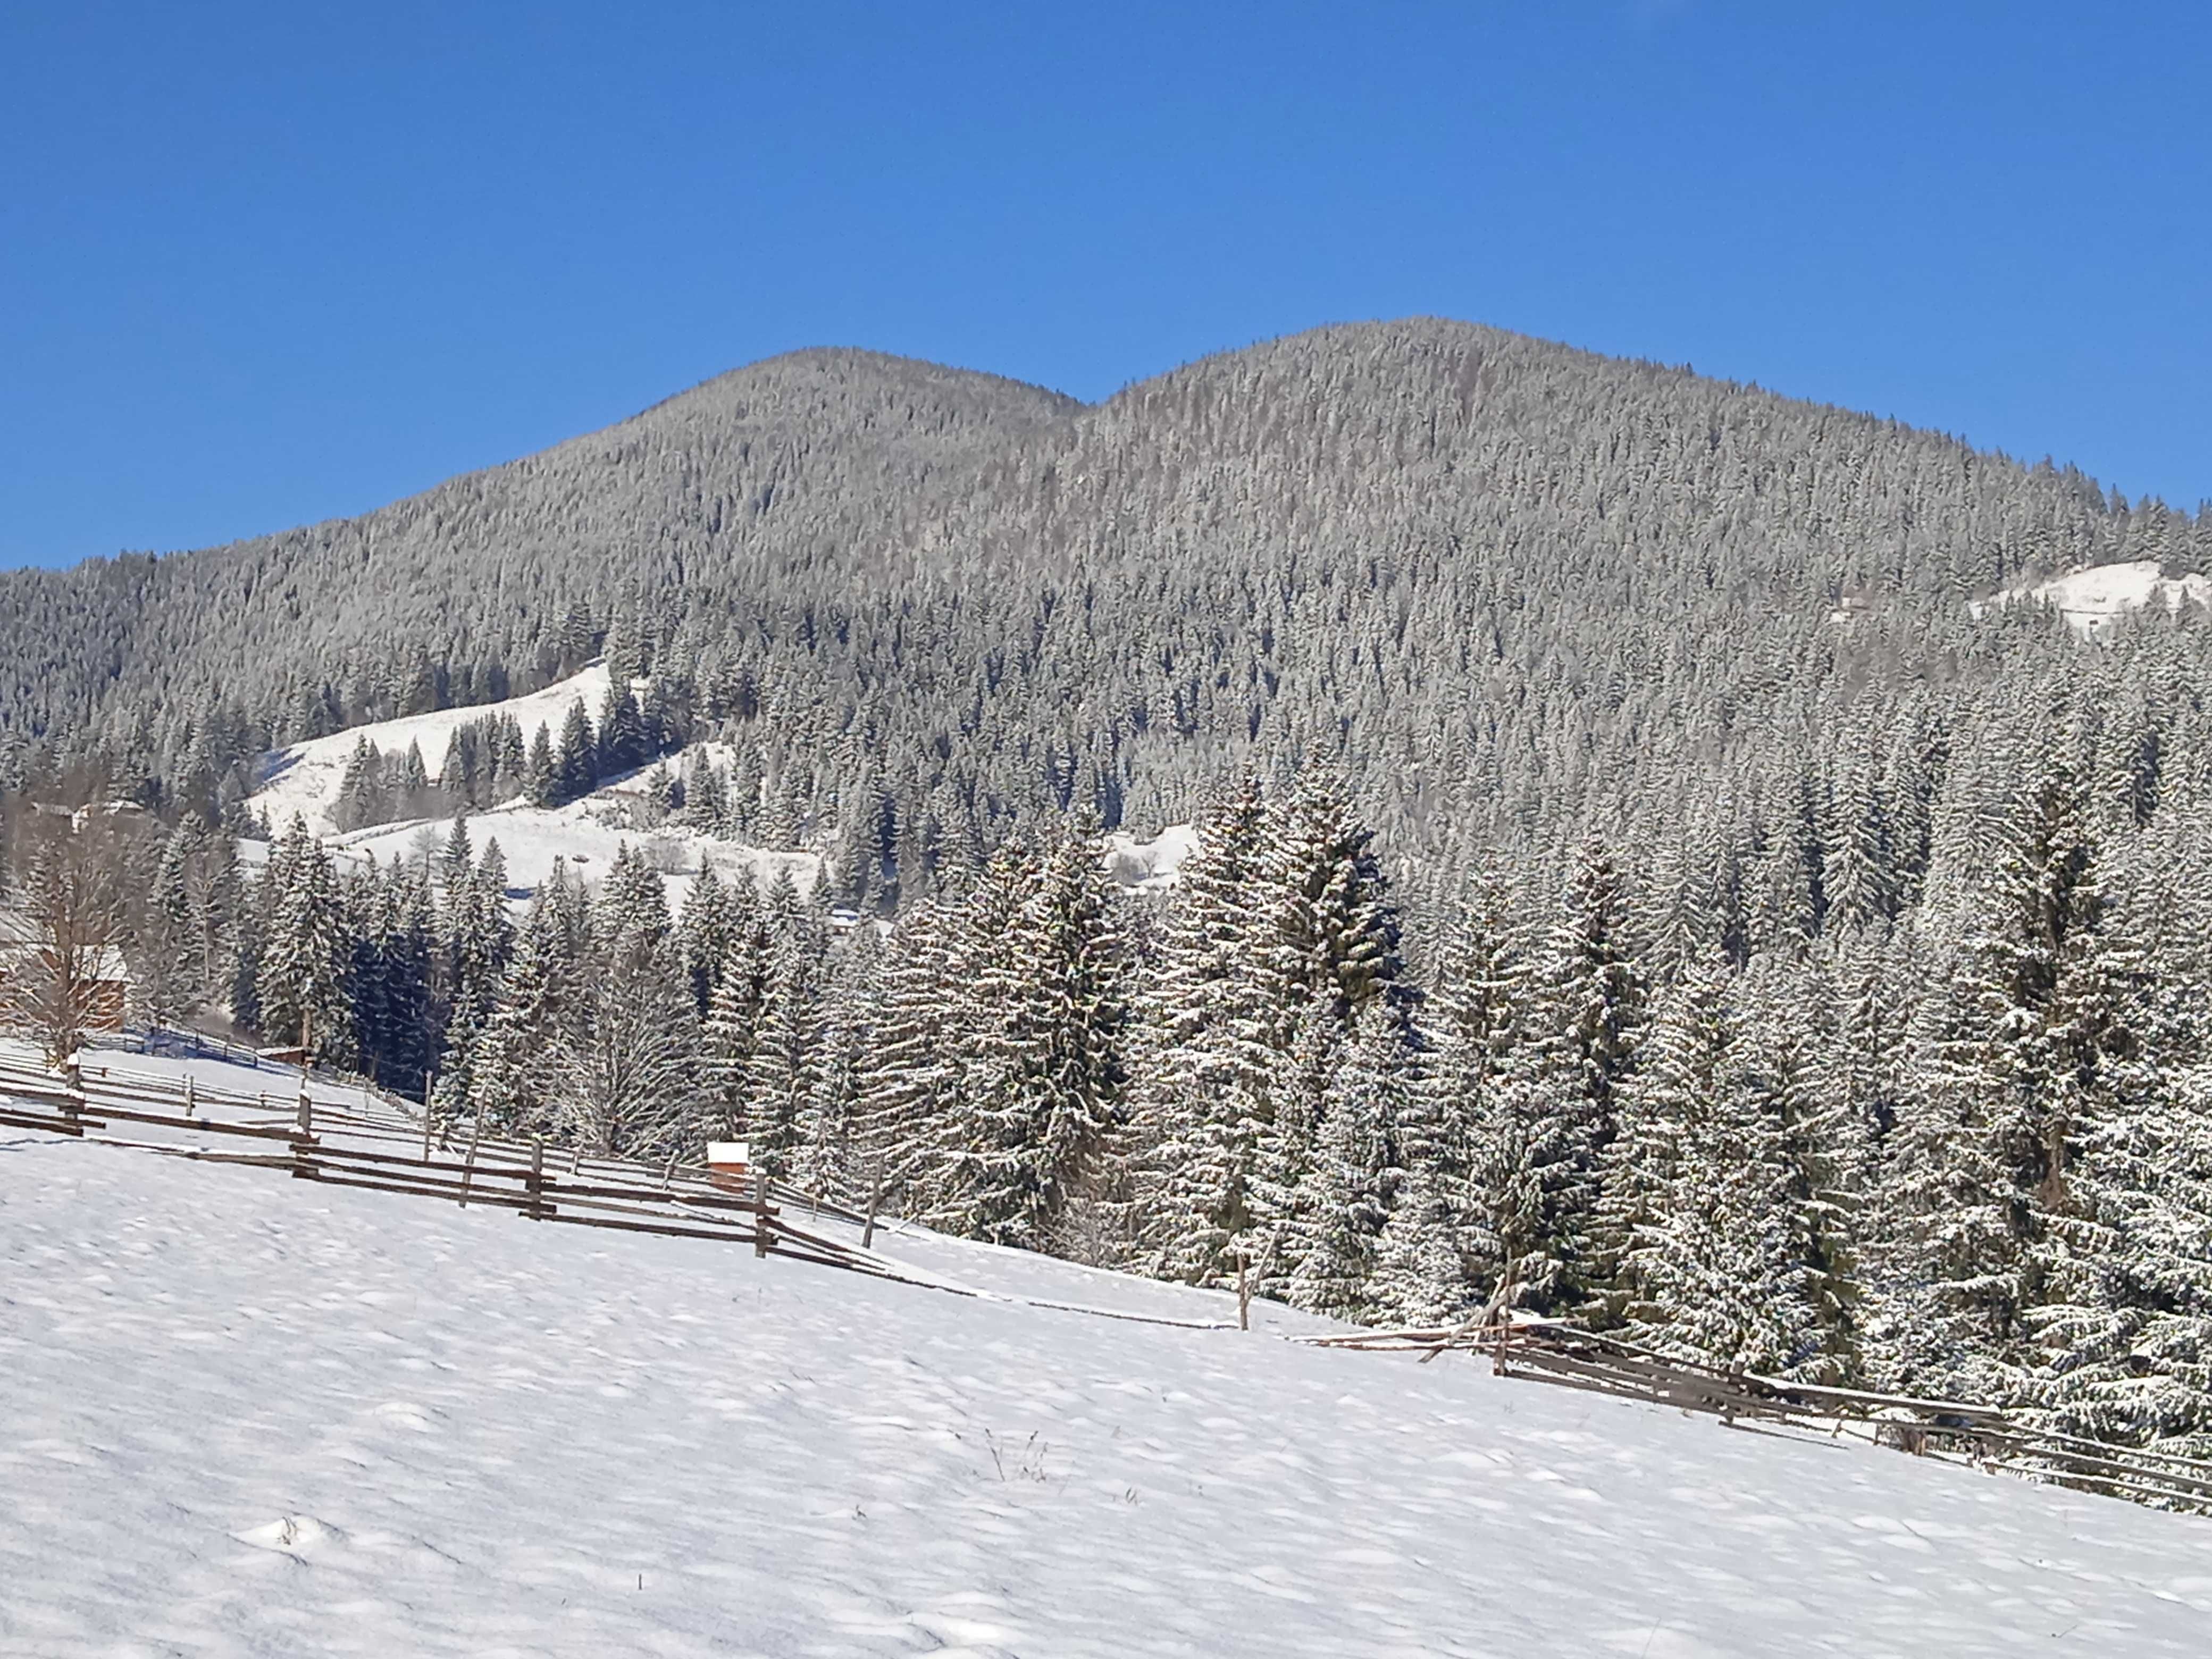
(1150, 866)
(2093, 600)
(253, 1415)
(305, 778)
(589, 835)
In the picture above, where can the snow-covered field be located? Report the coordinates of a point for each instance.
(531, 837)
(244, 1415)
(2092, 601)
(305, 778)
(1149, 865)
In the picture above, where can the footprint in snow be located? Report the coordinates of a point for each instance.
(295, 1535)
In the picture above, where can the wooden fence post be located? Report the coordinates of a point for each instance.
(469, 1167)
(875, 1195)
(536, 1183)
(191, 1095)
(759, 1213)
(304, 1141)
(1243, 1296)
(73, 1094)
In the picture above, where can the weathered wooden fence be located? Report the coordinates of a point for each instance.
(1984, 1436)
(378, 1145)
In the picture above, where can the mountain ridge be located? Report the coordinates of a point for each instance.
(1427, 545)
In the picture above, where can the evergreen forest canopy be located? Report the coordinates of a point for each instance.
(1631, 880)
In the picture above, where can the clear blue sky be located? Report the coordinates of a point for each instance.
(265, 264)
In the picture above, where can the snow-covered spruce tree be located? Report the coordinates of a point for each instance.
(517, 1076)
(303, 977)
(908, 1079)
(1722, 1176)
(1040, 1069)
(170, 941)
(477, 939)
(398, 948)
(633, 900)
(576, 769)
(832, 1157)
(1203, 1058)
(703, 930)
(1857, 873)
(627, 1053)
(1821, 1155)
(1440, 1255)
(621, 746)
(2125, 1342)
(780, 1070)
(1669, 1117)
(2021, 1059)
(1354, 1180)
(732, 1021)
(1586, 1008)
(1328, 939)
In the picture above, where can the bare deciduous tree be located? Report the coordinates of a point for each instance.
(64, 924)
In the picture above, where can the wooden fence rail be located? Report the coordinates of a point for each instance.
(1983, 1437)
(362, 1147)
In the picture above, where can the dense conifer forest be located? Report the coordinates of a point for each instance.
(1635, 881)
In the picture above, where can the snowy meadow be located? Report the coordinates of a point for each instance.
(246, 1416)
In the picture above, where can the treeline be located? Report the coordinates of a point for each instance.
(1968, 1153)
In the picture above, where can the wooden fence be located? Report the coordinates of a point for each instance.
(378, 1145)
(1983, 1437)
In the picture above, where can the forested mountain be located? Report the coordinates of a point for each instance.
(1634, 880)
(1502, 578)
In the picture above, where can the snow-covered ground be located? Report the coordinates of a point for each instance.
(1149, 865)
(2092, 601)
(248, 1415)
(305, 778)
(587, 832)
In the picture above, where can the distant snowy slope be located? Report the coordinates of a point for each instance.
(586, 834)
(1149, 865)
(2092, 601)
(305, 778)
(247, 1415)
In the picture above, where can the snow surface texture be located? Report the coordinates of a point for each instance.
(2092, 601)
(246, 1415)
(305, 778)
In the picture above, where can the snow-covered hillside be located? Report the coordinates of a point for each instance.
(584, 833)
(2092, 601)
(246, 1415)
(305, 778)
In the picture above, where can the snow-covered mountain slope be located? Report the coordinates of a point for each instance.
(306, 777)
(246, 1415)
(587, 834)
(2092, 601)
